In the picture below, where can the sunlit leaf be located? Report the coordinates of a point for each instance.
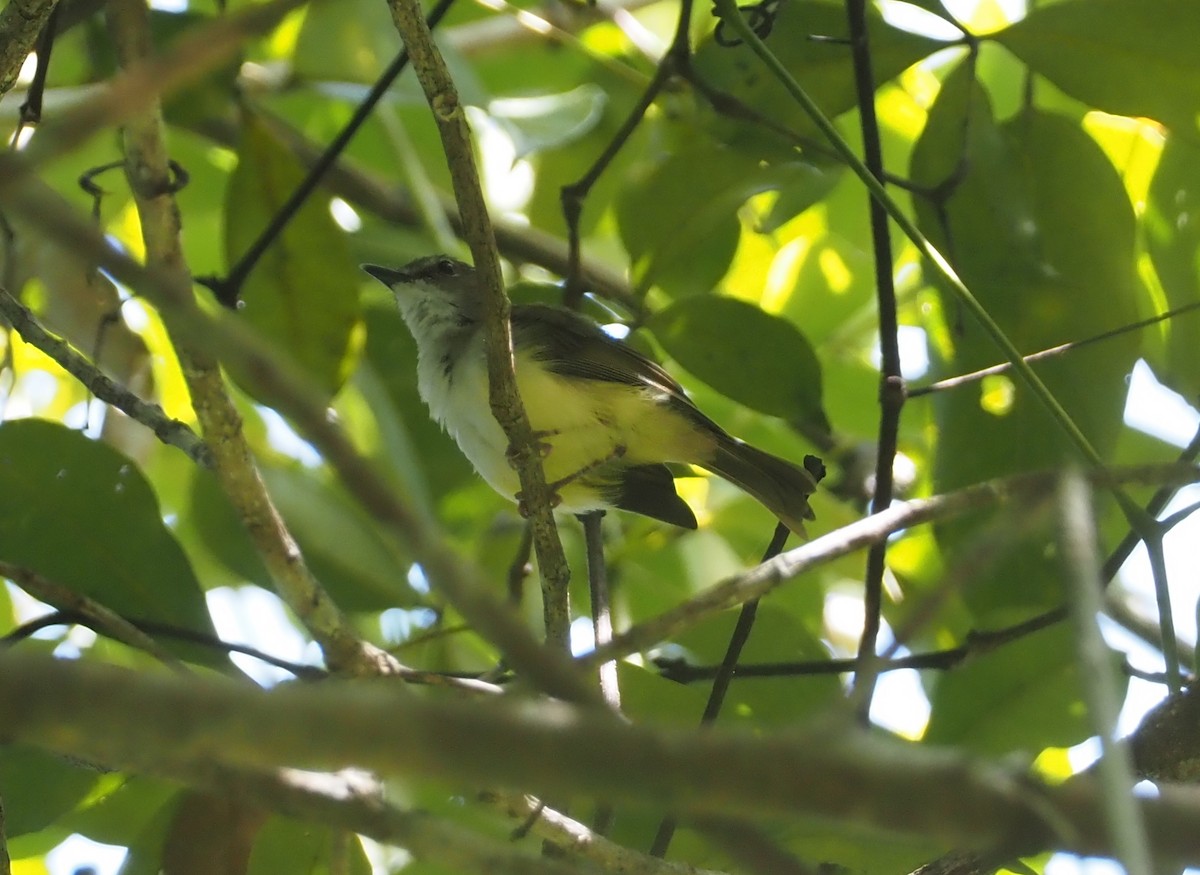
(1173, 240)
(1127, 58)
(549, 120)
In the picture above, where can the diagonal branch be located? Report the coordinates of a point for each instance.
(169, 431)
(148, 170)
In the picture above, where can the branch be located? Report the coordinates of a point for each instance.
(505, 402)
(95, 615)
(763, 578)
(380, 196)
(169, 431)
(856, 778)
(148, 170)
(20, 23)
(227, 337)
(576, 839)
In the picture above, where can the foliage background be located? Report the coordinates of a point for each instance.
(1050, 153)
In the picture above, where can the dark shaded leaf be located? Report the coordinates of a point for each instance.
(1011, 227)
(53, 480)
(759, 360)
(303, 295)
(822, 67)
(1024, 696)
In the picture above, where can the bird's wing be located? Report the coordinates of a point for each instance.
(580, 348)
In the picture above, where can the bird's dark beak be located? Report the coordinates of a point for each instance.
(389, 276)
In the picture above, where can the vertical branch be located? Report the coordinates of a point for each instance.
(449, 114)
(891, 387)
(148, 169)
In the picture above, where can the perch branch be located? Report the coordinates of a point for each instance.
(506, 404)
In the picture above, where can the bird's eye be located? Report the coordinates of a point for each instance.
(446, 267)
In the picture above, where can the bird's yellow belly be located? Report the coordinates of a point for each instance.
(589, 429)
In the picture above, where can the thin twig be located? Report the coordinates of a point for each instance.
(228, 289)
(722, 678)
(891, 385)
(169, 431)
(763, 578)
(94, 615)
(1051, 352)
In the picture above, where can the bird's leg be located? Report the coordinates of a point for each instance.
(541, 446)
(555, 499)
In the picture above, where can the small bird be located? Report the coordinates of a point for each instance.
(606, 417)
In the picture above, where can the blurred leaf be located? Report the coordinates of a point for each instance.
(340, 541)
(55, 480)
(303, 294)
(1135, 59)
(808, 39)
(759, 360)
(351, 41)
(1173, 241)
(1024, 696)
(296, 848)
(549, 120)
(38, 787)
(121, 808)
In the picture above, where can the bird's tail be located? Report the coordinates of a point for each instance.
(780, 486)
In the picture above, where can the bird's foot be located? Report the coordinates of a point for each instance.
(540, 446)
(555, 499)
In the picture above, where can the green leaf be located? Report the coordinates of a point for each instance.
(350, 42)
(1130, 58)
(822, 67)
(1173, 240)
(1010, 223)
(303, 295)
(38, 787)
(1024, 696)
(549, 120)
(755, 358)
(679, 224)
(341, 542)
(285, 845)
(55, 484)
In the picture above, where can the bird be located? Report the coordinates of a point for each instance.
(606, 418)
